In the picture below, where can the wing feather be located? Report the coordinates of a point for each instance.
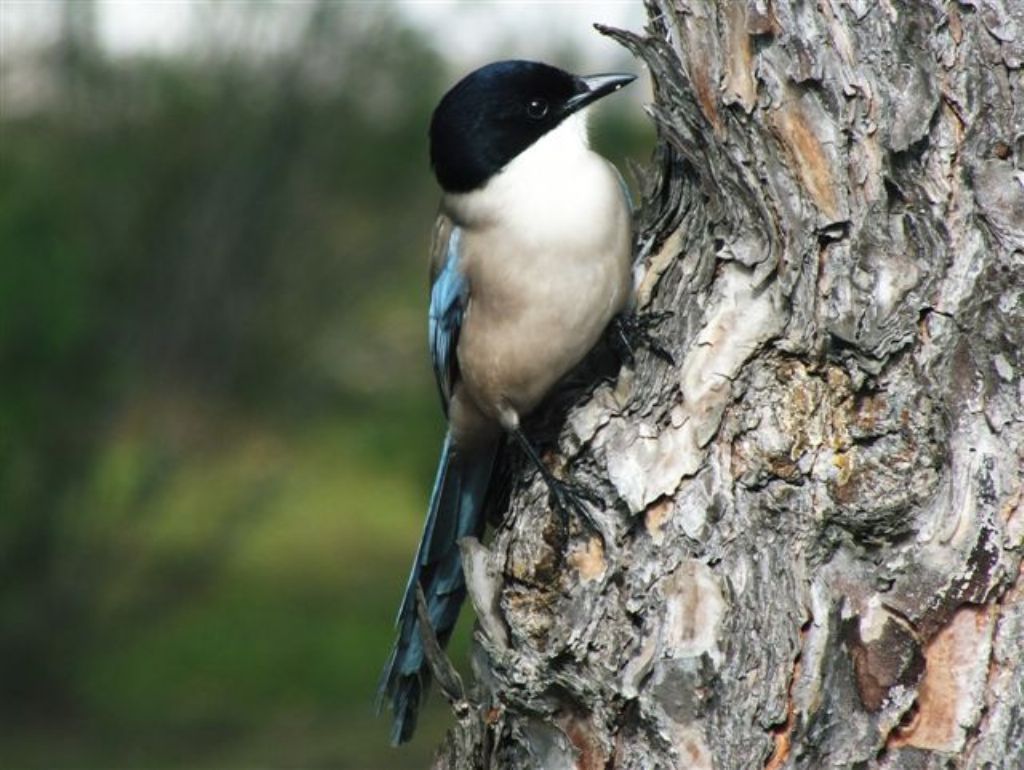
(449, 293)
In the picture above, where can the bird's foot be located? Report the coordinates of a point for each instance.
(634, 331)
(571, 500)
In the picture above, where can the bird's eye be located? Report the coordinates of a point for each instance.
(537, 108)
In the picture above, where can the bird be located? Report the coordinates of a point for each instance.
(531, 261)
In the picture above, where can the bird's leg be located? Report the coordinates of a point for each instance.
(633, 331)
(568, 498)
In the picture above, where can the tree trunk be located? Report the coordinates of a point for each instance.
(814, 521)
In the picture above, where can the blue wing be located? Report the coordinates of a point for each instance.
(456, 503)
(448, 296)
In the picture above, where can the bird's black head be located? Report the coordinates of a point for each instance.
(499, 110)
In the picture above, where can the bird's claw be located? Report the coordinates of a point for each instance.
(634, 331)
(570, 500)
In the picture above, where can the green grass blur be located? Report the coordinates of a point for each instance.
(217, 424)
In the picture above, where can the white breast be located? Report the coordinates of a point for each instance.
(547, 253)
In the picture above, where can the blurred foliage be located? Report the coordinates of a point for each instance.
(217, 429)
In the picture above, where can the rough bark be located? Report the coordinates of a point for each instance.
(814, 522)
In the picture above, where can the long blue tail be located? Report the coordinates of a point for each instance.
(456, 511)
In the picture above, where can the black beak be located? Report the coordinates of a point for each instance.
(594, 87)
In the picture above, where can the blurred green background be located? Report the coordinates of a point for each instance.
(217, 423)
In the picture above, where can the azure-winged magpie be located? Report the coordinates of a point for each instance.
(531, 260)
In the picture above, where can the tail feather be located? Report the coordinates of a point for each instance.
(455, 511)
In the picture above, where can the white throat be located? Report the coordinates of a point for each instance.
(570, 137)
(556, 167)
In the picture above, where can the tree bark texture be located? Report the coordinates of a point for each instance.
(813, 521)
